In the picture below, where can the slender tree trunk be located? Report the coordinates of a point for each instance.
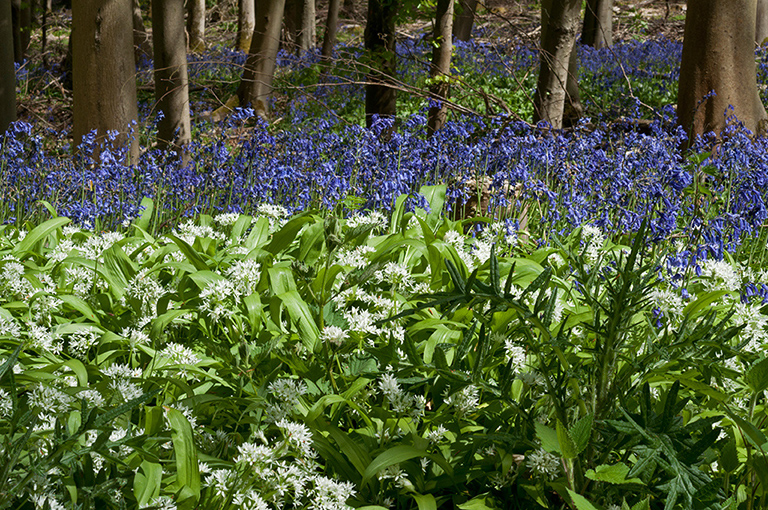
(256, 85)
(441, 65)
(7, 69)
(246, 19)
(103, 70)
(47, 7)
(573, 109)
(560, 20)
(598, 24)
(719, 56)
(171, 84)
(196, 25)
(141, 46)
(308, 33)
(462, 26)
(380, 96)
(331, 28)
(348, 9)
(761, 22)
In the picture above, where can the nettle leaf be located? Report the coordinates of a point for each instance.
(757, 376)
(615, 474)
(567, 444)
(580, 501)
(581, 432)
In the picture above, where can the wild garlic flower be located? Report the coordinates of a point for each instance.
(6, 404)
(464, 401)
(516, 354)
(145, 288)
(221, 480)
(328, 494)
(373, 218)
(244, 275)
(544, 464)
(356, 258)
(334, 335)
(397, 275)
(298, 436)
(188, 232)
(754, 322)
(720, 275)
(49, 399)
(81, 341)
(226, 219)
(249, 500)
(12, 278)
(9, 327)
(161, 503)
(396, 474)
(81, 280)
(669, 302)
(436, 435)
(361, 321)
(215, 299)
(93, 397)
(287, 393)
(277, 215)
(252, 454)
(594, 239)
(43, 339)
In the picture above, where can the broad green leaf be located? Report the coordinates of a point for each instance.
(567, 444)
(79, 305)
(729, 458)
(580, 501)
(302, 316)
(190, 253)
(397, 455)
(755, 435)
(148, 208)
(548, 438)
(478, 503)
(757, 376)
(187, 473)
(285, 236)
(146, 483)
(613, 473)
(38, 234)
(581, 432)
(425, 501)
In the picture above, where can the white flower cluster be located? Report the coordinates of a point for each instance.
(286, 394)
(356, 258)
(400, 401)
(269, 475)
(373, 218)
(464, 401)
(594, 240)
(544, 464)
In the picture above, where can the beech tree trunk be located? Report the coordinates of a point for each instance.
(300, 27)
(171, 83)
(246, 20)
(719, 56)
(196, 25)
(7, 69)
(103, 71)
(598, 24)
(331, 29)
(761, 22)
(462, 26)
(256, 85)
(141, 45)
(21, 17)
(380, 95)
(441, 65)
(560, 20)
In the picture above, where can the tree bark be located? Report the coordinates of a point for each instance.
(246, 20)
(462, 27)
(7, 69)
(300, 29)
(441, 65)
(196, 25)
(598, 24)
(331, 29)
(380, 96)
(171, 83)
(21, 17)
(256, 85)
(141, 45)
(103, 70)
(558, 37)
(718, 55)
(761, 22)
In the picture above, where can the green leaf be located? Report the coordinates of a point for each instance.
(615, 474)
(581, 432)
(190, 253)
(757, 376)
(285, 236)
(146, 483)
(300, 313)
(37, 234)
(729, 458)
(148, 208)
(425, 501)
(80, 306)
(567, 444)
(580, 501)
(187, 473)
(477, 503)
(397, 455)
(645, 504)
(548, 438)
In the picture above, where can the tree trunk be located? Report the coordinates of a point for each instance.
(331, 28)
(462, 27)
(256, 85)
(380, 96)
(21, 17)
(719, 56)
(300, 30)
(103, 70)
(196, 25)
(246, 19)
(171, 84)
(598, 24)
(7, 69)
(558, 37)
(47, 7)
(761, 22)
(441, 65)
(348, 9)
(141, 46)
